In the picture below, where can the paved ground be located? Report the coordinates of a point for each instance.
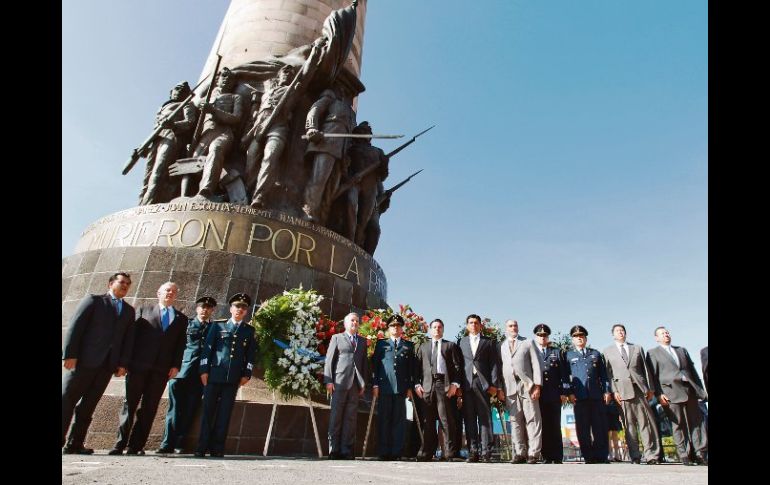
(101, 468)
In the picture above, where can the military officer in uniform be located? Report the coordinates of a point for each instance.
(394, 366)
(186, 390)
(227, 362)
(554, 393)
(589, 386)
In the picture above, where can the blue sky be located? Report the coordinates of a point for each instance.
(565, 181)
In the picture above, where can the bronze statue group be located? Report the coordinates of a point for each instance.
(276, 134)
(205, 361)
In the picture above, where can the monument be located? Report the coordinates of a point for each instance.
(258, 179)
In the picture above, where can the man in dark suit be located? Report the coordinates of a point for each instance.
(589, 386)
(480, 376)
(678, 388)
(159, 337)
(554, 393)
(185, 391)
(393, 363)
(345, 375)
(98, 344)
(629, 376)
(227, 363)
(437, 380)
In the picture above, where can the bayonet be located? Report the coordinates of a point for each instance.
(354, 135)
(389, 192)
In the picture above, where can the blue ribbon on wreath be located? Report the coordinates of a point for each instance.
(303, 352)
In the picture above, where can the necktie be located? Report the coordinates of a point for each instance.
(116, 306)
(543, 350)
(512, 345)
(673, 355)
(164, 319)
(353, 342)
(434, 358)
(624, 354)
(583, 352)
(474, 346)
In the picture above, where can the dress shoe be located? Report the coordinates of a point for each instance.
(216, 454)
(181, 451)
(687, 462)
(199, 454)
(349, 457)
(532, 460)
(652, 462)
(486, 458)
(165, 449)
(384, 458)
(71, 450)
(589, 461)
(701, 460)
(518, 459)
(604, 462)
(132, 451)
(556, 462)
(636, 461)
(472, 458)
(423, 458)
(115, 451)
(334, 455)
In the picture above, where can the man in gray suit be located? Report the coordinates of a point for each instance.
(99, 343)
(345, 376)
(480, 376)
(629, 377)
(678, 388)
(521, 380)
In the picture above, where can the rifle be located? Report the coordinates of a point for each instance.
(363, 173)
(408, 143)
(308, 68)
(136, 155)
(199, 126)
(386, 195)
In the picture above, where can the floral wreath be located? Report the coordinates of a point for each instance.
(286, 334)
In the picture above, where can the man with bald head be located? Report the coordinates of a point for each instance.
(159, 342)
(346, 373)
(520, 383)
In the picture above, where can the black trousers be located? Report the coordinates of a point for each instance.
(218, 402)
(81, 390)
(184, 397)
(437, 406)
(143, 392)
(552, 442)
(591, 428)
(391, 424)
(478, 419)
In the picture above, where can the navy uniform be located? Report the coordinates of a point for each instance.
(588, 383)
(555, 387)
(186, 390)
(394, 368)
(227, 359)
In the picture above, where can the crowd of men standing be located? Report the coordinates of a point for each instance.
(533, 379)
(152, 346)
(205, 360)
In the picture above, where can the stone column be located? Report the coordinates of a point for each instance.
(258, 29)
